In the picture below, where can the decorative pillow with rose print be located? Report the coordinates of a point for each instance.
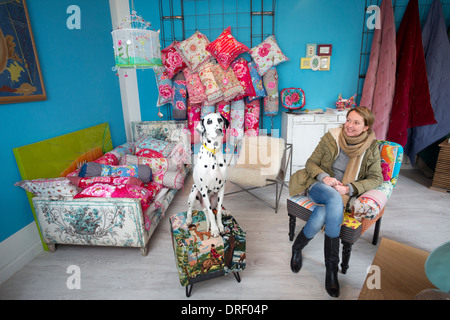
(237, 118)
(228, 82)
(117, 191)
(270, 80)
(240, 68)
(267, 54)
(83, 183)
(212, 89)
(148, 144)
(179, 101)
(251, 118)
(193, 50)
(172, 60)
(226, 48)
(194, 86)
(194, 110)
(164, 83)
(258, 86)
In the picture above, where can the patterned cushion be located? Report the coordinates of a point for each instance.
(260, 91)
(267, 54)
(226, 48)
(201, 257)
(172, 59)
(212, 89)
(193, 50)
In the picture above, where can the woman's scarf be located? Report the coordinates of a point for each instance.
(354, 148)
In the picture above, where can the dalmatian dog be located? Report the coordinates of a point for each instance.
(210, 172)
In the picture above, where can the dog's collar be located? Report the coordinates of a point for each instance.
(213, 151)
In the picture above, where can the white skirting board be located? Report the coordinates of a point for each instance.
(19, 249)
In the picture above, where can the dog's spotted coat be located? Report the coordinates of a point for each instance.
(210, 172)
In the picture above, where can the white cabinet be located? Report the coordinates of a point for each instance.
(304, 132)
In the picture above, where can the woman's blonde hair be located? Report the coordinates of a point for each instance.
(366, 113)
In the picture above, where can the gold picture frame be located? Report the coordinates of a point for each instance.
(324, 63)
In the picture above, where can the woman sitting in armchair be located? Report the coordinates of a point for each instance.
(345, 163)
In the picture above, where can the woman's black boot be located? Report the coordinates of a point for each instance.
(300, 242)
(331, 248)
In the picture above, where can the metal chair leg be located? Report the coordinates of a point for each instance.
(376, 232)
(237, 276)
(189, 290)
(292, 222)
(346, 252)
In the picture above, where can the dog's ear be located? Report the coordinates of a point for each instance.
(200, 127)
(225, 120)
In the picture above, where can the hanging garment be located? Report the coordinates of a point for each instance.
(379, 85)
(437, 52)
(411, 106)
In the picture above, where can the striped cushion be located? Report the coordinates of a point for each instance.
(301, 207)
(226, 48)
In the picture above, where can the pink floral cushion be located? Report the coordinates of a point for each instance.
(193, 50)
(117, 191)
(194, 86)
(267, 54)
(242, 72)
(172, 59)
(251, 118)
(212, 89)
(83, 183)
(228, 83)
(226, 48)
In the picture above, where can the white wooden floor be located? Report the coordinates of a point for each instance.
(415, 215)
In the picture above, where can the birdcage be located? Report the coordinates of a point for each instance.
(135, 44)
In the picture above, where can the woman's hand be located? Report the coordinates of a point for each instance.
(332, 182)
(342, 189)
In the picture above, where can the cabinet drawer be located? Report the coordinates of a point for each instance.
(342, 118)
(300, 119)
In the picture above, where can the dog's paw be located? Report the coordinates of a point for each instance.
(188, 221)
(215, 231)
(220, 226)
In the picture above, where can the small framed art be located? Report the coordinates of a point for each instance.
(305, 63)
(324, 64)
(314, 63)
(311, 49)
(324, 49)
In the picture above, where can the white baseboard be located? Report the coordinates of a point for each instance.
(19, 249)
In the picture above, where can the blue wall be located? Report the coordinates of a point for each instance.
(297, 23)
(82, 91)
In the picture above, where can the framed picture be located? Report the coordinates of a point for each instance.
(310, 49)
(20, 73)
(324, 49)
(324, 63)
(314, 63)
(305, 63)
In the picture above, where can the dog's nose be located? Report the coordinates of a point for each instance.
(219, 131)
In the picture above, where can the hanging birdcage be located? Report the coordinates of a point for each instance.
(135, 44)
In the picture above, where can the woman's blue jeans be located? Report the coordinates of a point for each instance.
(329, 212)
